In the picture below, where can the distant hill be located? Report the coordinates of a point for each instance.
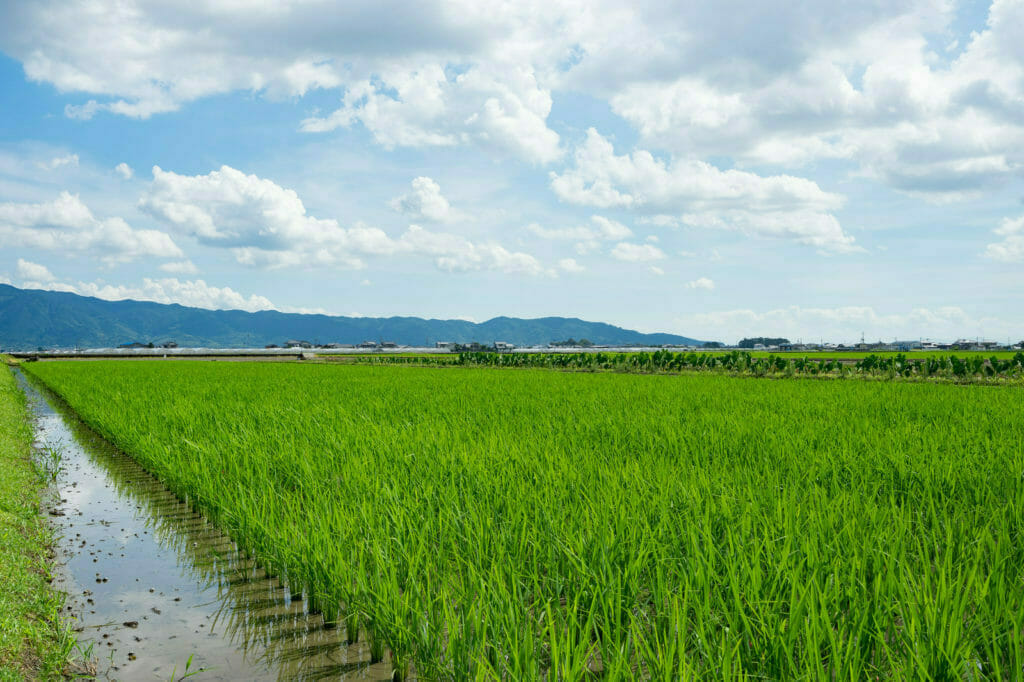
(31, 318)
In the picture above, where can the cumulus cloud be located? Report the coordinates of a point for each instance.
(67, 224)
(570, 265)
(1011, 248)
(34, 271)
(466, 74)
(866, 86)
(124, 170)
(636, 253)
(194, 293)
(424, 202)
(701, 283)
(70, 160)
(266, 226)
(181, 267)
(587, 237)
(867, 81)
(453, 253)
(840, 324)
(698, 194)
(497, 106)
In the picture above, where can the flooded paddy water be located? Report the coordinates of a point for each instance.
(151, 583)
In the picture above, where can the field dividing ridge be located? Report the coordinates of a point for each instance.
(33, 643)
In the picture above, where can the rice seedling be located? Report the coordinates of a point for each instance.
(488, 524)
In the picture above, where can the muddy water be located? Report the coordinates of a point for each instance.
(150, 582)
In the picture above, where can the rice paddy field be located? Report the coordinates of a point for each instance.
(523, 524)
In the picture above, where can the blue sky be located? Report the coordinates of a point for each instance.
(741, 169)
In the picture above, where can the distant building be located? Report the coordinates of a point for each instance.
(907, 345)
(388, 344)
(501, 346)
(445, 345)
(297, 344)
(170, 344)
(133, 344)
(368, 344)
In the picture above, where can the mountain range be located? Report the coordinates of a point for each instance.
(31, 318)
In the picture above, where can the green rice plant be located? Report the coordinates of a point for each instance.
(482, 523)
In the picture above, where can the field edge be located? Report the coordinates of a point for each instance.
(34, 642)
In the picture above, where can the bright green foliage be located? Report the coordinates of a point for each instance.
(971, 367)
(32, 642)
(495, 524)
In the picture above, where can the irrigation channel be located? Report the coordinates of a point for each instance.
(151, 583)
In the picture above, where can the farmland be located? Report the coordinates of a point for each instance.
(485, 523)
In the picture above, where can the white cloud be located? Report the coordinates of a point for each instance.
(876, 83)
(636, 253)
(871, 90)
(610, 229)
(124, 170)
(436, 73)
(1011, 248)
(588, 238)
(266, 226)
(194, 293)
(656, 270)
(34, 271)
(182, 267)
(700, 195)
(453, 253)
(67, 224)
(424, 202)
(57, 162)
(701, 283)
(501, 107)
(570, 265)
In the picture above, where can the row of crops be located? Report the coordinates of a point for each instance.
(734, 362)
(521, 525)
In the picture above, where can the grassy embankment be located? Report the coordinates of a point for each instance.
(33, 643)
(490, 524)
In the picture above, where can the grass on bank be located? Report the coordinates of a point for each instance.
(33, 643)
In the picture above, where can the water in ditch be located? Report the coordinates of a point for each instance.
(151, 583)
